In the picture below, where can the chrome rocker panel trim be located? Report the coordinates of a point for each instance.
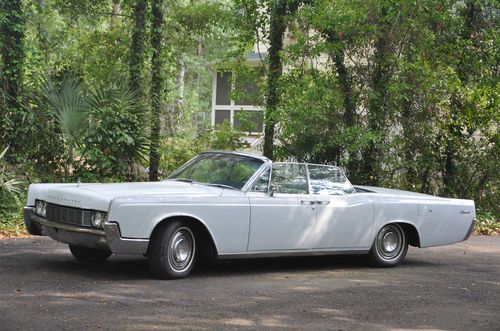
(293, 253)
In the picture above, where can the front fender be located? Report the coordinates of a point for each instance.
(226, 219)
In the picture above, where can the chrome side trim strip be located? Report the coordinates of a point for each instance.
(252, 255)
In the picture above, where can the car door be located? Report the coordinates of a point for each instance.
(285, 218)
(344, 218)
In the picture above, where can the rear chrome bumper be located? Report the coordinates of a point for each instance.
(471, 229)
(107, 238)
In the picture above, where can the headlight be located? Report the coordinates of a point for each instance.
(41, 208)
(98, 219)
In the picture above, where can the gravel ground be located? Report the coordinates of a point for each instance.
(454, 287)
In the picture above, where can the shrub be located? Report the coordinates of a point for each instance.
(114, 140)
(11, 195)
(487, 222)
(177, 150)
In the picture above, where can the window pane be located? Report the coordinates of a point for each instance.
(223, 88)
(221, 115)
(289, 178)
(328, 180)
(261, 184)
(247, 120)
(247, 91)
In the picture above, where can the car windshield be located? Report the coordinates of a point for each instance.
(219, 169)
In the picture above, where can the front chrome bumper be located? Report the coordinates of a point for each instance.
(108, 238)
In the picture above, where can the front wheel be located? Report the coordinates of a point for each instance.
(173, 251)
(390, 246)
(86, 254)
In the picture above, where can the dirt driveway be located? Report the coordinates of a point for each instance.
(453, 287)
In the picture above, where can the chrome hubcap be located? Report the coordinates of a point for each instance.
(181, 249)
(390, 242)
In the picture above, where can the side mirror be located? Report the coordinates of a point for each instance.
(272, 190)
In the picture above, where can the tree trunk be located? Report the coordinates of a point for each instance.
(117, 10)
(345, 79)
(12, 50)
(156, 88)
(42, 30)
(137, 47)
(471, 26)
(199, 118)
(12, 30)
(277, 29)
(179, 103)
(377, 108)
(180, 83)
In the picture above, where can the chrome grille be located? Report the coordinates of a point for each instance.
(68, 215)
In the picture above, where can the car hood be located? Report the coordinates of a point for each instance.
(99, 196)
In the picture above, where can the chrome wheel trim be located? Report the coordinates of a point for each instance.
(390, 242)
(181, 249)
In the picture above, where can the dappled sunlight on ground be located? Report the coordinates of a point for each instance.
(338, 292)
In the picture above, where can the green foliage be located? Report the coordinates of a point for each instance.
(226, 138)
(179, 149)
(101, 129)
(175, 151)
(12, 27)
(402, 94)
(11, 194)
(115, 139)
(312, 128)
(487, 222)
(71, 108)
(9, 185)
(245, 121)
(422, 79)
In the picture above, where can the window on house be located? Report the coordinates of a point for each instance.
(222, 115)
(248, 120)
(247, 91)
(236, 100)
(223, 91)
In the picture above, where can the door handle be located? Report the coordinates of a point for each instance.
(307, 202)
(322, 202)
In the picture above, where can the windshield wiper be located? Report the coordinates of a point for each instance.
(221, 185)
(186, 180)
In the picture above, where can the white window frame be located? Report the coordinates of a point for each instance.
(232, 107)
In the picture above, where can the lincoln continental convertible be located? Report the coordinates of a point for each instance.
(228, 205)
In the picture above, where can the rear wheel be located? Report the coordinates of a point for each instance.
(173, 250)
(390, 246)
(86, 254)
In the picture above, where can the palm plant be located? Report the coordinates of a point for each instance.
(9, 186)
(115, 136)
(71, 108)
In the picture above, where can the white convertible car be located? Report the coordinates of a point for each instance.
(238, 205)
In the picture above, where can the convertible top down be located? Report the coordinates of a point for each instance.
(236, 205)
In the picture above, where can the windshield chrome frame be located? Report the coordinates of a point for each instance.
(259, 172)
(249, 182)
